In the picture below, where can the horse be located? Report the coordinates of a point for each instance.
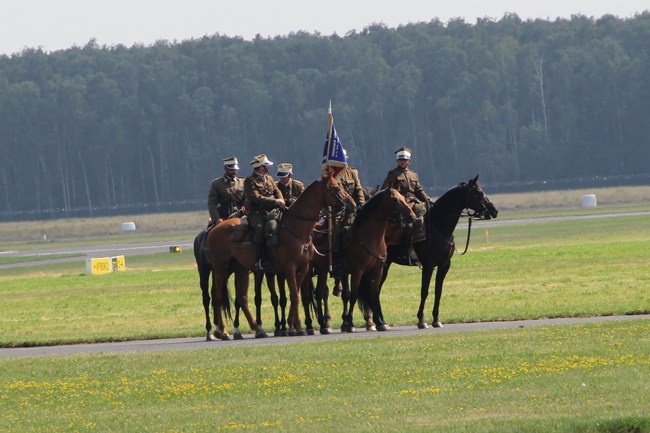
(204, 267)
(290, 256)
(279, 303)
(365, 256)
(438, 248)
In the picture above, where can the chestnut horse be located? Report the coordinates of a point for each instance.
(365, 256)
(204, 267)
(290, 256)
(436, 251)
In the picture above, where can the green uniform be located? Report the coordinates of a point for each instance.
(406, 182)
(225, 197)
(262, 193)
(291, 190)
(348, 178)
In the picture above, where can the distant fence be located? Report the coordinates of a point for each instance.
(198, 205)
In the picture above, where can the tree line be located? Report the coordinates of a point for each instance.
(98, 129)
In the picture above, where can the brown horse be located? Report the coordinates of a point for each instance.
(366, 254)
(436, 251)
(290, 256)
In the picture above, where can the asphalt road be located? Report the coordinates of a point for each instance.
(250, 340)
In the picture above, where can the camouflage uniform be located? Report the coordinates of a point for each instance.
(226, 197)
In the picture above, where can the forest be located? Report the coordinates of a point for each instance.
(95, 130)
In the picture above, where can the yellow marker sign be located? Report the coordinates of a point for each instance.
(105, 265)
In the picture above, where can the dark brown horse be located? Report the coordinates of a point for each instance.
(291, 256)
(438, 248)
(366, 254)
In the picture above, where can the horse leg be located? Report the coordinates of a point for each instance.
(353, 290)
(204, 277)
(322, 295)
(307, 295)
(345, 299)
(270, 283)
(241, 287)
(375, 296)
(282, 288)
(295, 327)
(440, 278)
(427, 272)
(257, 282)
(219, 281)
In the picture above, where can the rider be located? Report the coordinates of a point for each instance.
(406, 181)
(226, 194)
(288, 186)
(263, 195)
(348, 178)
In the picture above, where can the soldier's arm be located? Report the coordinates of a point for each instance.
(213, 202)
(388, 182)
(419, 191)
(253, 195)
(358, 197)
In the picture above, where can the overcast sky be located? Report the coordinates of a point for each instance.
(59, 24)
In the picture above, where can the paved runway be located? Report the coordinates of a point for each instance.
(249, 340)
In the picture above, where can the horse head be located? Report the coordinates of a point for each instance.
(337, 196)
(478, 202)
(398, 207)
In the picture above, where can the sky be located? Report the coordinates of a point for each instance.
(61, 24)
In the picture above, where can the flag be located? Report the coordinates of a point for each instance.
(333, 154)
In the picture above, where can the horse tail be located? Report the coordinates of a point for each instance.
(225, 305)
(364, 296)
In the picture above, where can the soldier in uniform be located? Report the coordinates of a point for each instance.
(288, 186)
(263, 195)
(406, 181)
(348, 179)
(226, 194)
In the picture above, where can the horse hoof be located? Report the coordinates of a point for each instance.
(301, 333)
(325, 331)
(224, 337)
(277, 333)
(292, 333)
(210, 337)
(310, 331)
(383, 328)
(371, 328)
(261, 334)
(437, 324)
(284, 333)
(238, 335)
(423, 325)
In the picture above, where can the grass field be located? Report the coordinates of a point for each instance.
(580, 378)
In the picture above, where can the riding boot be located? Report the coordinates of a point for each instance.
(262, 262)
(419, 232)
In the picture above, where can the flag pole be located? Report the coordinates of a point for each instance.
(330, 117)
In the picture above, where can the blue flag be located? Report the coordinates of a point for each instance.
(333, 154)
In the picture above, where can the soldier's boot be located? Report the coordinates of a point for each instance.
(262, 261)
(419, 233)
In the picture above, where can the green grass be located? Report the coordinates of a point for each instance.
(560, 379)
(579, 378)
(573, 268)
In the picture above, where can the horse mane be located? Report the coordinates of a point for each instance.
(370, 206)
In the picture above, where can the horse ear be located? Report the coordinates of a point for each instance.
(475, 180)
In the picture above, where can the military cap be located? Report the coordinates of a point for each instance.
(284, 169)
(403, 153)
(261, 160)
(231, 163)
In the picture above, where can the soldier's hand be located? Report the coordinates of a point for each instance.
(279, 202)
(218, 221)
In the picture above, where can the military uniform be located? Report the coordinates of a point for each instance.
(262, 194)
(408, 184)
(290, 189)
(348, 178)
(225, 197)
